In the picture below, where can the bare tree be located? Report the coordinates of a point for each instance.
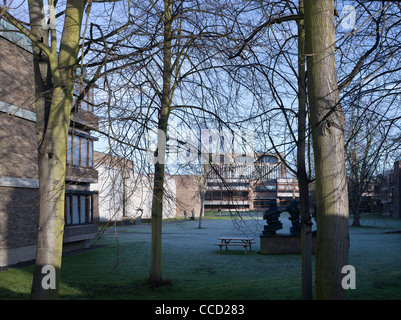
(155, 72)
(54, 69)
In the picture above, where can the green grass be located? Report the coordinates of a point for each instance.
(117, 268)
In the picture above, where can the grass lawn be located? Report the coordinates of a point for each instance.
(119, 263)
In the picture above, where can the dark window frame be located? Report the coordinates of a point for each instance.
(69, 208)
(74, 148)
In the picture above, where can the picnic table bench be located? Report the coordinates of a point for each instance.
(235, 241)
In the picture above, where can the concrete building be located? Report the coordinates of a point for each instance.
(124, 194)
(19, 194)
(243, 182)
(387, 195)
(383, 194)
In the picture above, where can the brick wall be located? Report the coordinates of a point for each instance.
(18, 159)
(16, 76)
(18, 153)
(187, 194)
(18, 217)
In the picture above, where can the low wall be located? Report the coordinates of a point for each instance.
(283, 244)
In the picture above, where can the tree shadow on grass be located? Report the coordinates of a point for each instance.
(6, 294)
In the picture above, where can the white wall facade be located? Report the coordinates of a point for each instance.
(136, 189)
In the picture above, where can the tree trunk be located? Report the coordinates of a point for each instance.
(52, 167)
(157, 221)
(356, 213)
(356, 222)
(202, 199)
(306, 223)
(158, 189)
(327, 120)
(54, 81)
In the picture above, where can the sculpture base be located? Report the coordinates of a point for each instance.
(283, 244)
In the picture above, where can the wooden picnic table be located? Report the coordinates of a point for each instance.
(235, 241)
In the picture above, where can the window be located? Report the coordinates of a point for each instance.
(83, 153)
(226, 195)
(68, 219)
(80, 151)
(75, 210)
(75, 150)
(216, 195)
(260, 204)
(262, 188)
(90, 154)
(69, 148)
(78, 209)
(268, 159)
(83, 214)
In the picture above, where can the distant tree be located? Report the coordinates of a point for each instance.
(371, 141)
(302, 174)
